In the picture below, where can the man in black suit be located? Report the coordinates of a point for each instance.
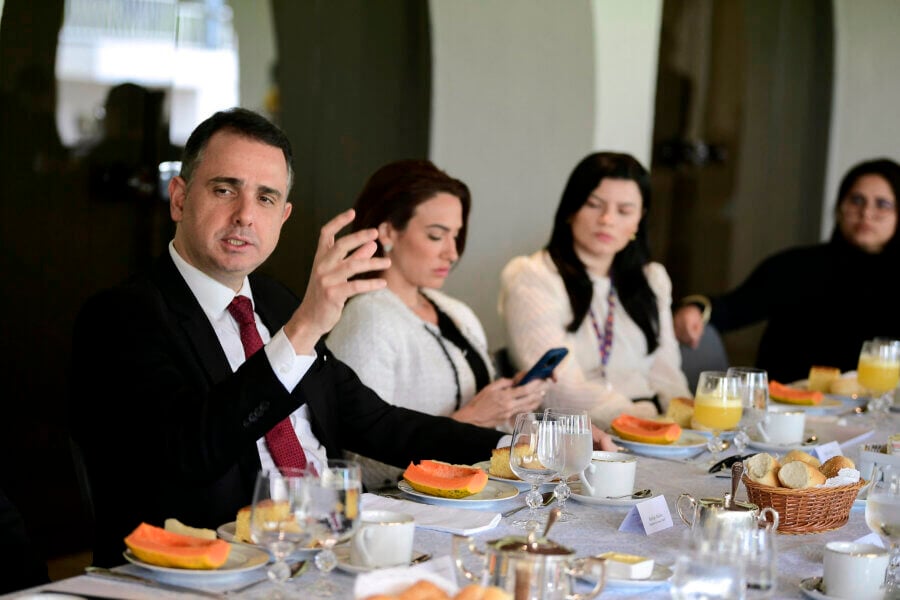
(161, 358)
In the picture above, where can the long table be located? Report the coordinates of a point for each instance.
(594, 531)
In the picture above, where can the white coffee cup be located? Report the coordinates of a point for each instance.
(854, 571)
(384, 539)
(609, 474)
(782, 427)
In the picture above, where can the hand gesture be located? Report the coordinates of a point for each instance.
(498, 402)
(688, 322)
(336, 261)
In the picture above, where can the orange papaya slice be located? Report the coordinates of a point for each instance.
(437, 478)
(635, 429)
(156, 546)
(791, 395)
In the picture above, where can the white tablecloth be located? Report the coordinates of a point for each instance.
(595, 531)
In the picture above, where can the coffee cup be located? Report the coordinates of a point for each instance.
(782, 427)
(384, 539)
(854, 570)
(609, 474)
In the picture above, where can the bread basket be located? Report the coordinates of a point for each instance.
(810, 510)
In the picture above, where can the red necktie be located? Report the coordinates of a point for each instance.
(281, 440)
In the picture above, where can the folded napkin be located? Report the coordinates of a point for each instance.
(845, 476)
(461, 521)
(439, 571)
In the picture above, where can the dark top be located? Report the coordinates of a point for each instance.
(821, 302)
(182, 442)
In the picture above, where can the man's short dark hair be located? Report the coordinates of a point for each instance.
(243, 122)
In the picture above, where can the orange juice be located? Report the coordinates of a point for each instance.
(877, 375)
(716, 412)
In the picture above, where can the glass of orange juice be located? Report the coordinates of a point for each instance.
(878, 371)
(717, 406)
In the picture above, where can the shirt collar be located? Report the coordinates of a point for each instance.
(213, 296)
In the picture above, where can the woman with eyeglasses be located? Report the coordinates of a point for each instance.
(820, 302)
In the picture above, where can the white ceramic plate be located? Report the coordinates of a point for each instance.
(579, 495)
(342, 553)
(828, 406)
(493, 492)
(522, 486)
(688, 445)
(810, 588)
(242, 557)
(226, 532)
(660, 576)
(728, 434)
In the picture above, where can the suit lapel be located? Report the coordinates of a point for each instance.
(191, 319)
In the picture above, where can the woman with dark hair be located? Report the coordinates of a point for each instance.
(820, 302)
(415, 346)
(594, 290)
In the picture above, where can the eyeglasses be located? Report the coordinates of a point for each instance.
(881, 207)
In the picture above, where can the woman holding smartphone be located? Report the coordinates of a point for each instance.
(594, 290)
(414, 345)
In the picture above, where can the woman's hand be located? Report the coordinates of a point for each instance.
(688, 322)
(602, 440)
(498, 402)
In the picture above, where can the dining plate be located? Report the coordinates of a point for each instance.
(828, 406)
(226, 532)
(493, 492)
(243, 557)
(811, 588)
(728, 434)
(660, 575)
(342, 553)
(579, 495)
(522, 486)
(824, 428)
(688, 445)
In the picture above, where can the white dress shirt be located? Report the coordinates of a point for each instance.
(289, 367)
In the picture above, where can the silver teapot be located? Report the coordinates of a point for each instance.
(528, 568)
(724, 513)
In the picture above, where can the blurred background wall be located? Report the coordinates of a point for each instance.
(748, 112)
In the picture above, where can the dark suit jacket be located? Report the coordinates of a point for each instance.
(183, 437)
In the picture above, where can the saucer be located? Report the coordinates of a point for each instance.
(342, 553)
(579, 495)
(812, 588)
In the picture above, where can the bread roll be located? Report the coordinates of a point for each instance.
(762, 468)
(846, 386)
(476, 592)
(680, 410)
(820, 378)
(802, 457)
(798, 475)
(834, 464)
(500, 461)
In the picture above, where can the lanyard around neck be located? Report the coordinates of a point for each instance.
(605, 337)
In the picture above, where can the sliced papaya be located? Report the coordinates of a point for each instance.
(156, 546)
(635, 429)
(437, 478)
(791, 395)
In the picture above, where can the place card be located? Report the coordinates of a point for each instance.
(648, 516)
(826, 451)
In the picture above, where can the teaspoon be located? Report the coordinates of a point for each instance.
(637, 494)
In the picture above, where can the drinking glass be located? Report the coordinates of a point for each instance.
(878, 371)
(717, 406)
(574, 455)
(759, 554)
(277, 515)
(532, 438)
(711, 567)
(753, 388)
(332, 515)
(883, 517)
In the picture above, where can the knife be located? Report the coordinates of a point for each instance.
(110, 574)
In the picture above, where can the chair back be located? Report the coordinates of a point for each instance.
(709, 355)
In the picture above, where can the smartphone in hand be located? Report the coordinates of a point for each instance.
(543, 368)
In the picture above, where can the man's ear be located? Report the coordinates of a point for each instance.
(288, 207)
(177, 193)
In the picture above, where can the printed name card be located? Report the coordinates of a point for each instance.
(648, 516)
(826, 451)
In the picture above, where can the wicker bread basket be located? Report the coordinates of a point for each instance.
(810, 510)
